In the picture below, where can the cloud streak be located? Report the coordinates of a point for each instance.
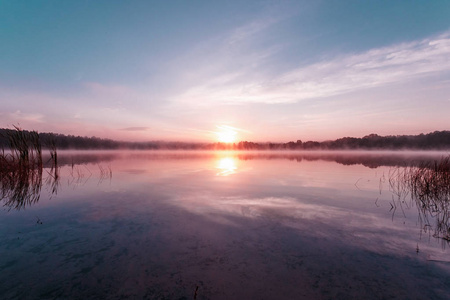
(342, 74)
(135, 129)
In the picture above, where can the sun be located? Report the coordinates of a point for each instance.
(226, 134)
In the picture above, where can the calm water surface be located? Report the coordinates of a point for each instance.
(223, 225)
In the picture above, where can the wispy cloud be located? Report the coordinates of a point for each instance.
(227, 127)
(99, 88)
(21, 117)
(343, 74)
(246, 31)
(374, 68)
(135, 129)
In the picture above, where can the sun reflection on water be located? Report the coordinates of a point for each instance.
(226, 166)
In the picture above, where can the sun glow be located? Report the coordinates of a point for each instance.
(226, 134)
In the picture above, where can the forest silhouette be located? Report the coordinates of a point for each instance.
(437, 140)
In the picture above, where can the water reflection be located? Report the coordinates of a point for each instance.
(222, 225)
(53, 179)
(226, 166)
(371, 159)
(24, 188)
(20, 187)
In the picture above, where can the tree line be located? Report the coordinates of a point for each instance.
(437, 140)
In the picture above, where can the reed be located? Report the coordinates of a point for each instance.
(25, 150)
(429, 186)
(431, 181)
(51, 145)
(21, 168)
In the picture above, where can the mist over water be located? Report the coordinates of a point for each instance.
(223, 225)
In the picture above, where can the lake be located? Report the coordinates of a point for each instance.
(221, 225)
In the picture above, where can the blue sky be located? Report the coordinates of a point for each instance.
(185, 70)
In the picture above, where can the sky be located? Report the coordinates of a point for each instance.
(205, 71)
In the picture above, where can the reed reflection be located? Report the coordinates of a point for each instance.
(22, 186)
